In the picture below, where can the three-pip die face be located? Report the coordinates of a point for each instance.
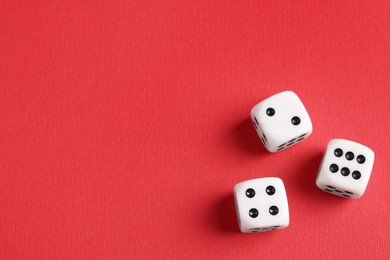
(261, 205)
(345, 169)
(281, 121)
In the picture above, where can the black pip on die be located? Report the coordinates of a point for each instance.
(261, 205)
(281, 121)
(345, 169)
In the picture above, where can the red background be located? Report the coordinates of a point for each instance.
(125, 124)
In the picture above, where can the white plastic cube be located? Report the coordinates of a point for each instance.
(345, 169)
(261, 205)
(281, 121)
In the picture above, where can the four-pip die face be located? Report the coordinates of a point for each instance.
(281, 121)
(261, 205)
(345, 169)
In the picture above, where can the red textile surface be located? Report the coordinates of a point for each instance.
(125, 124)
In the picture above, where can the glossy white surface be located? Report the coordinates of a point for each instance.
(345, 186)
(277, 132)
(262, 203)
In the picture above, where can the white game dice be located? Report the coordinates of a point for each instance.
(281, 121)
(345, 169)
(261, 205)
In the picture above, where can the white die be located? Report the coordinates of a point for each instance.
(345, 168)
(281, 121)
(261, 205)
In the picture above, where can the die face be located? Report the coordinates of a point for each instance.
(281, 121)
(261, 205)
(345, 169)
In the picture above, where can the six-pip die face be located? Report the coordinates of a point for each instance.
(345, 169)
